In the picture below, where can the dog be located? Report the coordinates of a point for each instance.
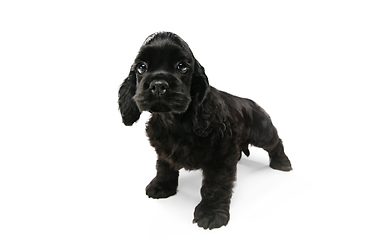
(193, 125)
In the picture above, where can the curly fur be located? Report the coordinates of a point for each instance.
(194, 126)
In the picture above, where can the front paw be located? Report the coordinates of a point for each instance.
(157, 189)
(210, 216)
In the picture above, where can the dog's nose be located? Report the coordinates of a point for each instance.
(158, 87)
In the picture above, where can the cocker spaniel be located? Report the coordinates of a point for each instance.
(193, 125)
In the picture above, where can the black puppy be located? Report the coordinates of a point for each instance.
(193, 125)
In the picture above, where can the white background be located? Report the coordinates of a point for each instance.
(69, 169)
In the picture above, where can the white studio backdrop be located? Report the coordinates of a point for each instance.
(69, 168)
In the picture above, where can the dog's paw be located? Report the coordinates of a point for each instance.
(211, 217)
(156, 189)
(282, 164)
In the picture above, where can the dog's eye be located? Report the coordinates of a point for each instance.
(141, 68)
(182, 67)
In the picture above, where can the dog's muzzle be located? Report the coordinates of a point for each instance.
(158, 87)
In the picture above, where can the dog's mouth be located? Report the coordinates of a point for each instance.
(175, 102)
(159, 107)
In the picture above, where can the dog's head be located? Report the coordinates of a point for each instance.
(165, 77)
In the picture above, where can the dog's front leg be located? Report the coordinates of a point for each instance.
(165, 183)
(216, 192)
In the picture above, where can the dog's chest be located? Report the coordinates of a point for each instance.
(177, 143)
(182, 151)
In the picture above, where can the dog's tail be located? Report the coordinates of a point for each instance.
(245, 150)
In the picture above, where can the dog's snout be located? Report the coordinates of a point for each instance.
(158, 87)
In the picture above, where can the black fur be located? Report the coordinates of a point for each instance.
(193, 125)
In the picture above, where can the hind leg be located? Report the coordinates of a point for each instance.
(275, 149)
(278, 159)
(264, 135)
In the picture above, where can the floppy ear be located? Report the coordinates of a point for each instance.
(202, 109)
(128, 108)
(200, 84)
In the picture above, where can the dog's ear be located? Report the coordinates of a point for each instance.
(128, 108)
(202, 111)
(200, 84)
